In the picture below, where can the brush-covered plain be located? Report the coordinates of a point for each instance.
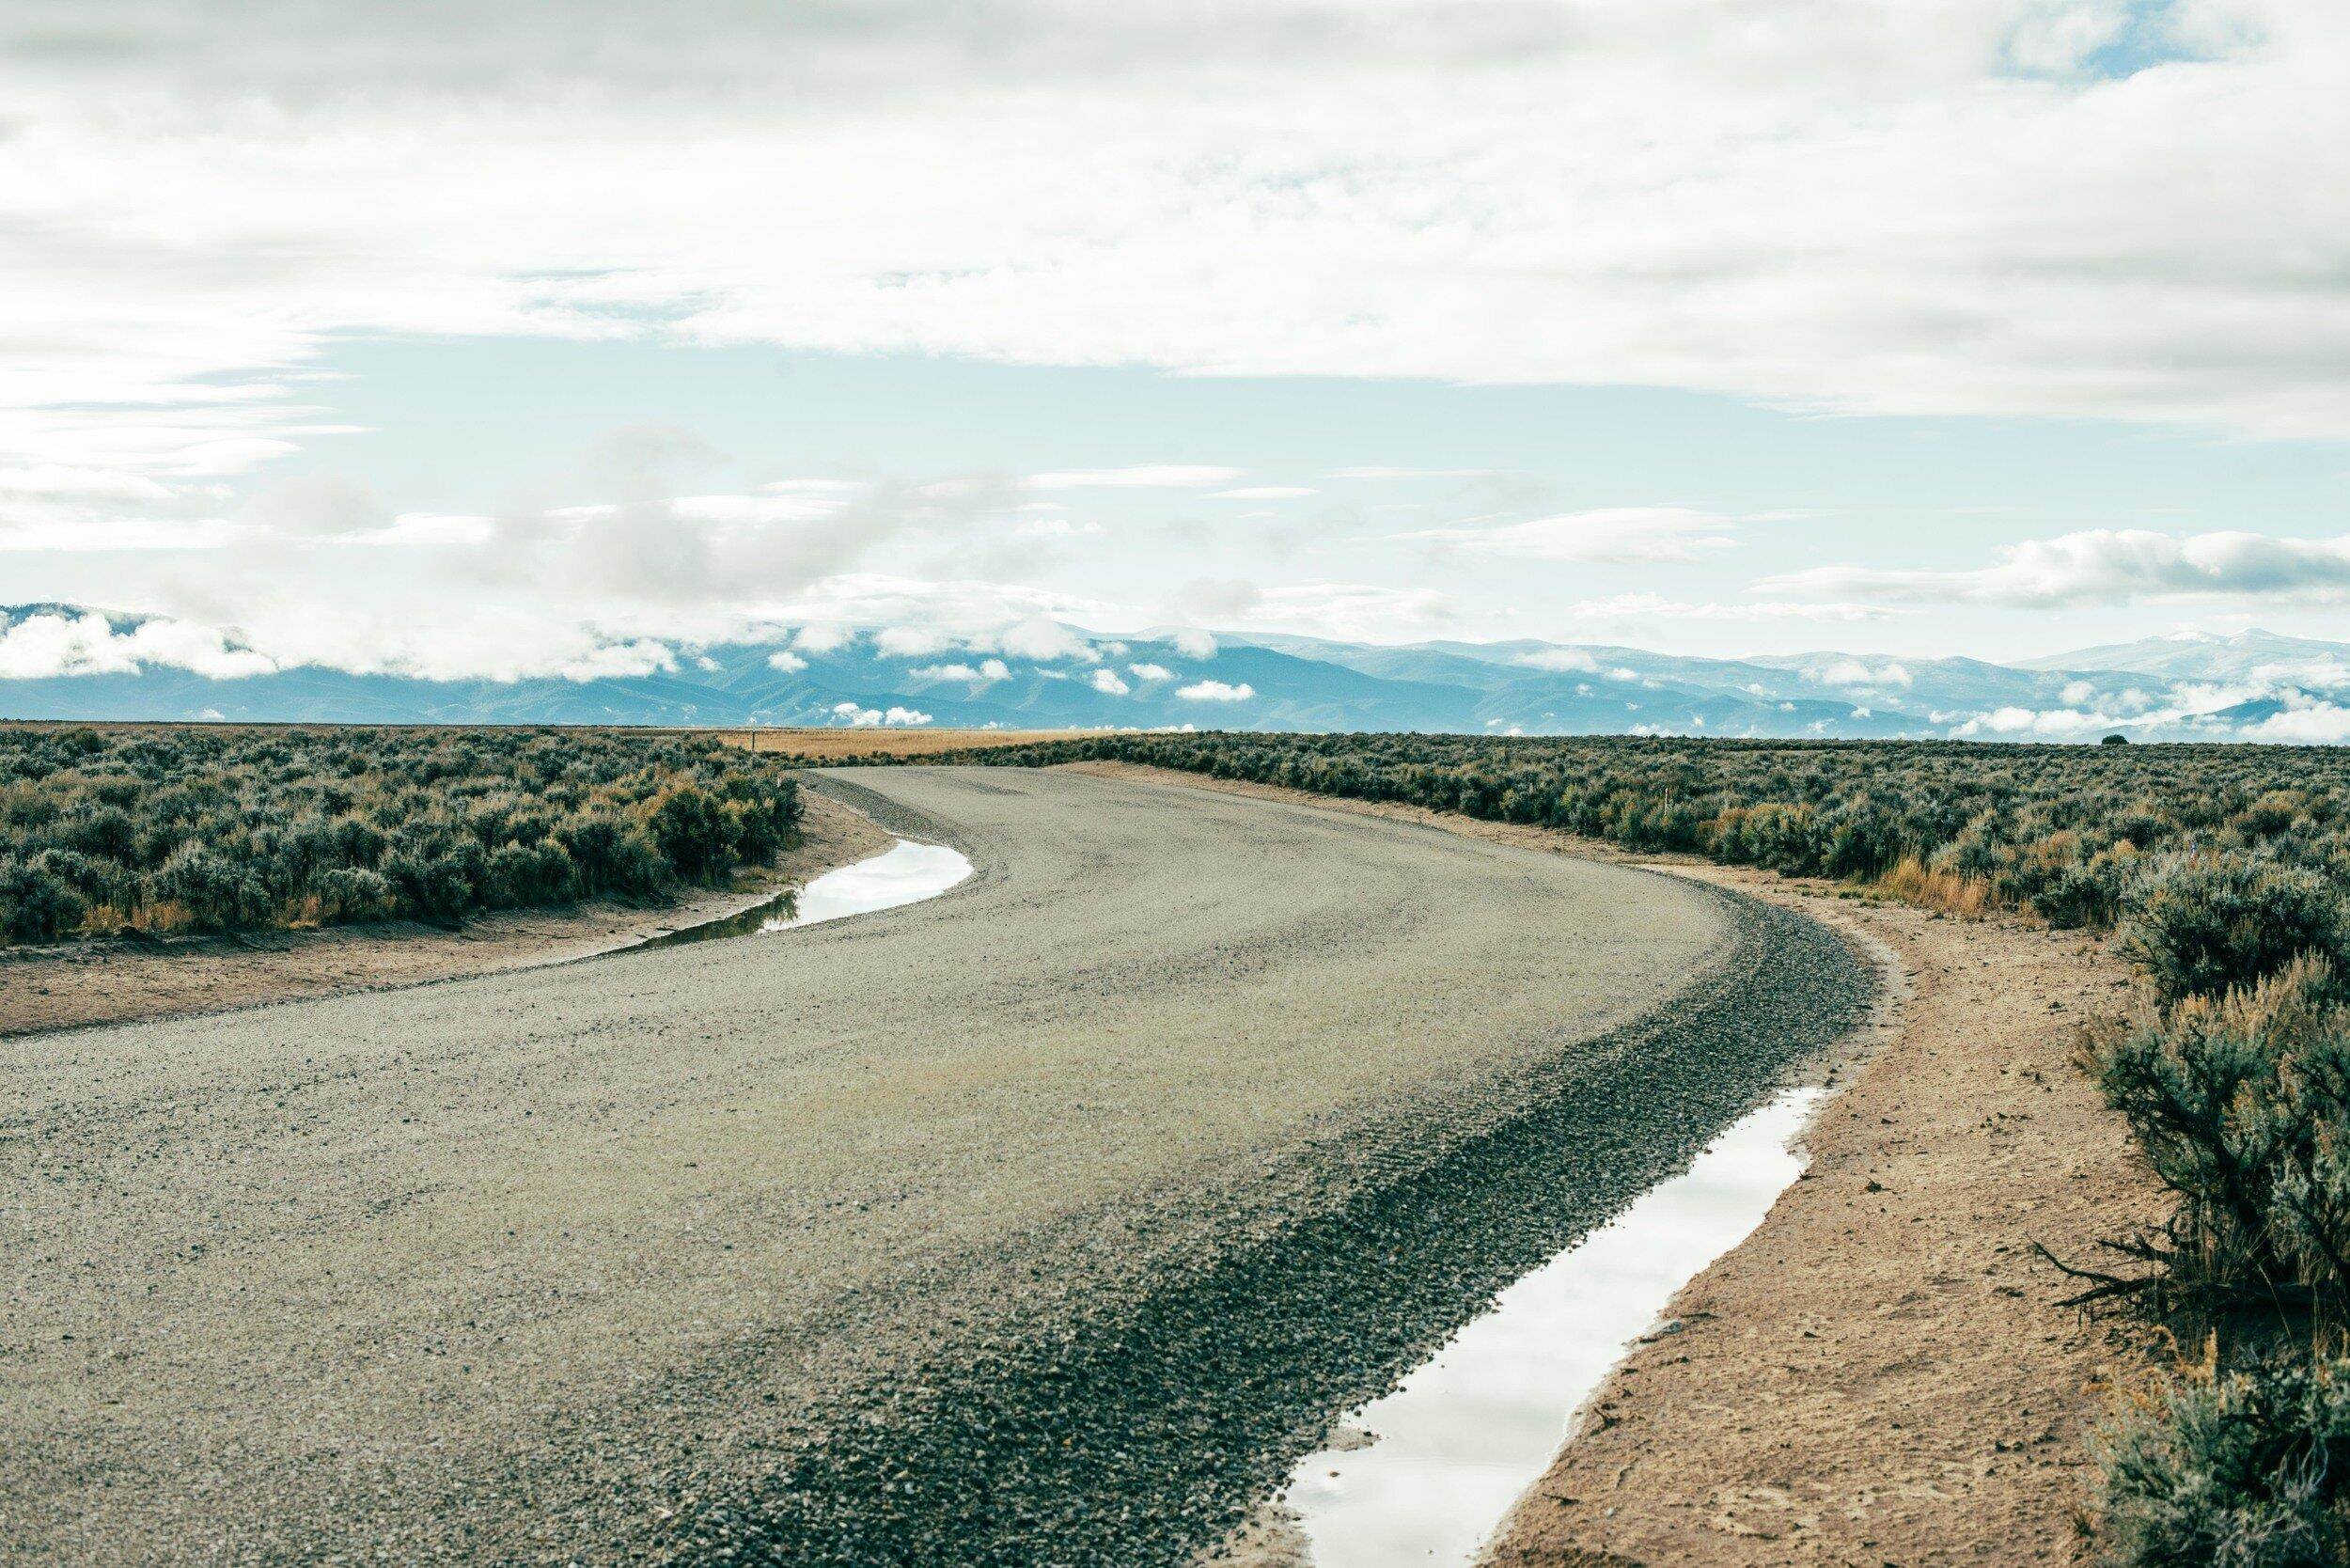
(159, 829)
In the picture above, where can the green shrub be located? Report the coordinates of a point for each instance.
(694, 835)
(2245, 1470)
(100, 830)
(351, 894)
(2200, 927)
(37, 904)
(520, 876)
(2242, 1106)
(214, 889)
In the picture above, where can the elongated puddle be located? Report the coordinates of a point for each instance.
(907, 873)
(1468, 1432)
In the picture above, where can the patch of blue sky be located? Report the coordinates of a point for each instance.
(463, 425)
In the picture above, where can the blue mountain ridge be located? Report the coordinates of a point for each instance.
(2162, 688)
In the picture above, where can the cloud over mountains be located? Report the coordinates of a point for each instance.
(2088, 211)
(61, 662)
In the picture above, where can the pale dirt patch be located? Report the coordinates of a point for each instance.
(1879, 1374)
(118, 983)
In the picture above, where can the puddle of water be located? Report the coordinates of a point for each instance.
(1470, 1430)
(905, 872)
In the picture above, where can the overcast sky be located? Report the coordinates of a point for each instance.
(468, 339)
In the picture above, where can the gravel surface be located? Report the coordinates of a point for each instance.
(1045, 1222)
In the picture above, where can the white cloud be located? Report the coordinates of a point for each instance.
(1355, 612)
(1562, 659)
(1195, 644)
(1840, 205)
(1836, 204)
(2108, 566)
(2049, 724)
(1150, 672)
(1215, 691)
(872, 718)
(1614, 535)
(1038, 638)
(62, 530)
(2322, 724)
(821, 638)
(1108, 681)
(1264, 493)
(56, 481)
(912, 642)
(787, 661)
(614, 661)
(1373, 471)
(1162, 475)
(985, 672)
(1853, 672)
(2194, 709)
(817, 487)
(44, 645)
(1651, 606)
(414, 529)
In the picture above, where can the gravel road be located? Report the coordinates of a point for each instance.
(1043, 1222)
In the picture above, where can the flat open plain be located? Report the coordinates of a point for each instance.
(1040, 1223)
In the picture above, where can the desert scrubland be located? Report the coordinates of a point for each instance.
(1063, 1208)
(2212, 879)
(2095, 1148)
(166, 829)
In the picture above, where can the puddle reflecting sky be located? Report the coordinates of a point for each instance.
(904, 874)
(1470, 1430)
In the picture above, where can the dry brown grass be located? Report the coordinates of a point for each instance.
(1911, 881)
(832, 745)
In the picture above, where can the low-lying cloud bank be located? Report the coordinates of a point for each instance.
(2108, 566)
(1036, 672)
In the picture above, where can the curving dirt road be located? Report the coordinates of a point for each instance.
(1043, 1222)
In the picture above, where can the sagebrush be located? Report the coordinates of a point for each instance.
(162, 829)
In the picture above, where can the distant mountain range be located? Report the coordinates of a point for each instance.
(2252, 685)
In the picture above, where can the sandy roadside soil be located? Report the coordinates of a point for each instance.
(1879, 1375)
(115, 982)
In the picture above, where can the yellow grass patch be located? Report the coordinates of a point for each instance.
(1911, 881)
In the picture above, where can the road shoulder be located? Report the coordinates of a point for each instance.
(1879, 1374)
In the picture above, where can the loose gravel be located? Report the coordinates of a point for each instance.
(1046, 1222)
